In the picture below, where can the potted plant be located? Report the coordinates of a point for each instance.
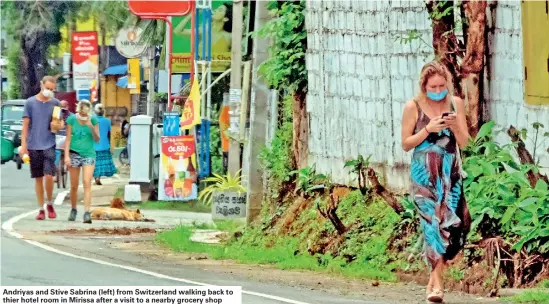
(226, 195)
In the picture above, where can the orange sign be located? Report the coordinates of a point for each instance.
(224, 121)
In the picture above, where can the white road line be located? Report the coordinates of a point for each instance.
(8, 227)
(61, 197)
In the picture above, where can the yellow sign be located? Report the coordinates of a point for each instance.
(134, 77)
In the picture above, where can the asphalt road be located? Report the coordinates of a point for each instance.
(23, 264)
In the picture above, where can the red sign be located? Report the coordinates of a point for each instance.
(160, 8)
(85, 60)
(176, 147)
(84, 45)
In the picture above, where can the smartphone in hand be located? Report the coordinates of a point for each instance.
(446, 114)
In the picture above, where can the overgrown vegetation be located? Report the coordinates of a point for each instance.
(536, 296)
(286, 71)
(511, 216)
(277, 158)
(221, 183)
(14, 66)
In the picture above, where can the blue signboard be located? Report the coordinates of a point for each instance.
(83, 95)
(170, 121)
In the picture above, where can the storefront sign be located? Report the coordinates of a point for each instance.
(85, 60)
(177, 173)
(128, 42)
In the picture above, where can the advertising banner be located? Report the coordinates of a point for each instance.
(177, 174)
(85, 61)
(221, 38)
(191, 109)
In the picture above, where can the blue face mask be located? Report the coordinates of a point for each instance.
(437, 96)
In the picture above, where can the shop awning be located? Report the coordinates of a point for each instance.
(116, 70)
(122, 82)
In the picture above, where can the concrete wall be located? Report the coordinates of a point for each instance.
(504, 92)
(360, 76)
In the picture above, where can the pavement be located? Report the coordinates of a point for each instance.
(32, 256)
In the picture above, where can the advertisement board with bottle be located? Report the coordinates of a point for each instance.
(177, 173)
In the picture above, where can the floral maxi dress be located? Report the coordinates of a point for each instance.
(437, 192)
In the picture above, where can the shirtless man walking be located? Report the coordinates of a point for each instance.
(38, 141)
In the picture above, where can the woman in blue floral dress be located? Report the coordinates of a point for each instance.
(434, 125)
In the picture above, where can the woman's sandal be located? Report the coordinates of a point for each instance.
(436, 296)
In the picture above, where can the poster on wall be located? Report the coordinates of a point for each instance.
(177, 173)
(221, 39)
(85, 61)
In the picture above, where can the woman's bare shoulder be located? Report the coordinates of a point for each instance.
(410, 105)
(458, 101)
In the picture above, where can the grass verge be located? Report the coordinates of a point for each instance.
(534, 296)
(280, 254)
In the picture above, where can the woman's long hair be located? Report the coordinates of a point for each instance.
(429, 70)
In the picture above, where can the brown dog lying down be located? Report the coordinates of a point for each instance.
(118, 212)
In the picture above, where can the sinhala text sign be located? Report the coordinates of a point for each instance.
(177, 174)
(85, 60)
(228, 205)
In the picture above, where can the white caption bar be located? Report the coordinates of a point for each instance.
(122, 295)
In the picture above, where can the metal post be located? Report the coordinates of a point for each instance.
(151, 96)
(244, 102)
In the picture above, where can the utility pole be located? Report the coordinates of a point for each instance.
(235, 92)
(259, 118)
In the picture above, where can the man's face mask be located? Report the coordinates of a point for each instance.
(47, 93)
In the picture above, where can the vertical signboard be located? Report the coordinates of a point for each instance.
(85, 60)
(134, 78)
(177, 173)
